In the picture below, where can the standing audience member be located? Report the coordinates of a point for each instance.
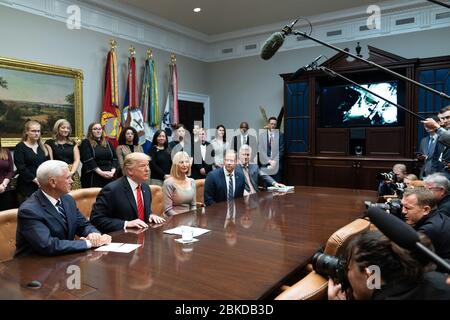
(271, 150)
(160, 160)
(419, 211)
(426, 148)
(127, 201)
(179, 190)
(28, 156)
(440, 186)
(203, 156)
(404, 274)
(220, 145)
(224, 184)
(128, 143)
(49, 220)
(7, 196)
(98, 157)
(64, 148)
(244, 137)
(182, 143)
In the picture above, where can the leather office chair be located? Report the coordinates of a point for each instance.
(85, 199)
(200, 188)
(313, 286)
(8, 226)
(157, 200)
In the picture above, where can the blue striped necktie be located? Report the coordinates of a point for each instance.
(230, 194)
(61, 210)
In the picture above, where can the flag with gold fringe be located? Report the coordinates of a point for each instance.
(171, 113)
(110, 119)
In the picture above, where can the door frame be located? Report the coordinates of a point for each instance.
(197, 97)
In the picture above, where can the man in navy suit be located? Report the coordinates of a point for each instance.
(49, 220)
(271, 150)
(252, 172)
(224, 183)
(126, 202)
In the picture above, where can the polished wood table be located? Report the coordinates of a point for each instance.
(253, 246)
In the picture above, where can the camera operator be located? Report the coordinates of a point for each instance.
(392, 181)
(419, 211)
(405, 275)
(440, 186)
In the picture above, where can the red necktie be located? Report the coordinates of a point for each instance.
(140, 203)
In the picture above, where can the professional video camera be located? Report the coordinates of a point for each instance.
(387, 176)
(393, 207)
(333, 267)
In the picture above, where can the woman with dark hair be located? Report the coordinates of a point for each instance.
(160, 162)
(98, 158)
(28, 155)
(7, 196)
(64, 148)
(128, 143)
(378, 269)
(220, 145)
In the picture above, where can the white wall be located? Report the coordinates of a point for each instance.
(239, 87)
(29, 37)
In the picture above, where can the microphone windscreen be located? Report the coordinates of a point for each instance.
(395, 229)
(272, 45)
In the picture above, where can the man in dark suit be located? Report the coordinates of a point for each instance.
(244, 137)
(426, 148)
(49, 220)
(126, 202)
(271, 150)
(252, 173)
(224, 183)
(203, 156)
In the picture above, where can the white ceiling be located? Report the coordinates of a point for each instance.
(223, 16)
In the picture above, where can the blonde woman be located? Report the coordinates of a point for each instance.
(98, 157)
(28, 156)
(64, 148)
(179, 190)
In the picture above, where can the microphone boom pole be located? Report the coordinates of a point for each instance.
(442, 94)
(334, 73)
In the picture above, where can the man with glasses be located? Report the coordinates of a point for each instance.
(440, 186)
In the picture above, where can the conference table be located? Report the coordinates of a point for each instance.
(254, 245)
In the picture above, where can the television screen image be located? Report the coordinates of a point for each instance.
(348, 105)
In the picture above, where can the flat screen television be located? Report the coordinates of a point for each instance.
(350, 106)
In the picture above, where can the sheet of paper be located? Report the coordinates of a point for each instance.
(195, 231)
(281, 189)
(119, 247)
(183, 241)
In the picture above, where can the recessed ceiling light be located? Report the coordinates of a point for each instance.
(197, 10)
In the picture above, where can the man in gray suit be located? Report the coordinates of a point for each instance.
(426, 149)
(252, 172)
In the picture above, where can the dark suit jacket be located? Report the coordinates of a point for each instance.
(427, 167)
(199, 162)
(41, 228)
(116, 204)
(251, 141)
(437, 227)
(277, 152)
(254, 174)
(216, 187)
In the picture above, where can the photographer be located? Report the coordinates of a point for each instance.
(391, 183)
(404, 274)
(419, 211)
(440, 186)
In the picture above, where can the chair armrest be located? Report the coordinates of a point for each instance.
(311, 287)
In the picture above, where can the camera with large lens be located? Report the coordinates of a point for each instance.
(333, 267)
(398, 187)
(393, 207)
(388, 176)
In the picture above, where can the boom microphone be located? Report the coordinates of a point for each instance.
(312, 65)
(275, 41)
(402, 234)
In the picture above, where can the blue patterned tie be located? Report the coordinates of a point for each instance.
(61, 210)
(230, 188)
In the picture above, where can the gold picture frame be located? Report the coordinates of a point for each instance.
(42, 92)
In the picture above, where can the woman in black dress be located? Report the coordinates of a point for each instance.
(98, 157)
(65, 149)
(7, 195)
(28, 155)
(160, 160)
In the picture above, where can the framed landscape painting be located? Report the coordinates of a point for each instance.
(41, 92)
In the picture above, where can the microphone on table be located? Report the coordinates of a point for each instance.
(402, 234)
(275, 41)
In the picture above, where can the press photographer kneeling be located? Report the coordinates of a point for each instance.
(391, 183)
(402, 274)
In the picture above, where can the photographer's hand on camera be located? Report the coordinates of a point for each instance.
(335, 291)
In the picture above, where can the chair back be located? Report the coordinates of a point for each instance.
(8, 227)
(200, 188)
(85, 199)
(157, 200)
(313, 286)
